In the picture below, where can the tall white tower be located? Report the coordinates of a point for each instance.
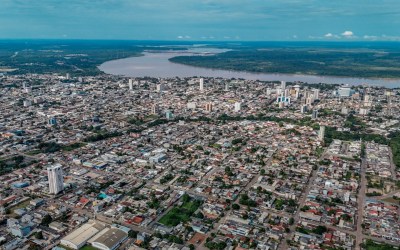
(55, 176)
(201, 84)
(130, 84)
(321, 134)
(316, 94)
(283, 85)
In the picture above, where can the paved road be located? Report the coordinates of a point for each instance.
(360, 203)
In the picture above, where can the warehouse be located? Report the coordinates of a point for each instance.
(80, 236)
(109, 238)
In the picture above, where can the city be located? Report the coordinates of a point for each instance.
(112, 162)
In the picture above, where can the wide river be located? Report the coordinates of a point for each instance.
(156, 64)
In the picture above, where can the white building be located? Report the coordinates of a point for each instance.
(191, 105)
(283, 85)
(345, 91)
(55, 176)
(321, 134)
(316, 94)
(201, 84)
(238, 106)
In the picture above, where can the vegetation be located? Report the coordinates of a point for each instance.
(395, 146)
(308, 58)
(181, 214)
(371, 245)
(78, 57)
(102, 136)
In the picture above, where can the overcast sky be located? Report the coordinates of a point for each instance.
(264, 20)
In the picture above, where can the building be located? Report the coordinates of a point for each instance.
(53, 121)
(321, 133)
(109, 239)
(363, 111)
(55, 176)
(19, 228)
(316, 94)
(160, 87)
(303, 109)
(238, 106)
(154, 109)
(169, 115)
(130, 84)
(201, 84)
(345, 91)
(315, 114)
(79, 237)
(283, 85)
(209, 107)
(191, 105)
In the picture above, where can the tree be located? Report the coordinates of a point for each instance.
(235, 206)
(46, 220)
(39, 235)
(132, 234)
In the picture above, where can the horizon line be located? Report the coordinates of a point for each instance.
(192, 41)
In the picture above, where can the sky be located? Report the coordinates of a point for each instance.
(202, 20)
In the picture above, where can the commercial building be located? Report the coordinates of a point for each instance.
(238, 106)
(79, 237)
(109, 239)
(55, 176)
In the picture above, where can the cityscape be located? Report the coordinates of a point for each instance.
(112, 162)
(199, 125)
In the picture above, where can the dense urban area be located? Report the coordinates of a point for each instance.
(108, 162)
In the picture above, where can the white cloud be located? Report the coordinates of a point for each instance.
(183, 37)
(348, 33)
(330, 36)
(367, 37)
(295, 36)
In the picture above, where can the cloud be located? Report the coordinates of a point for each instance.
(184, 37)
(330, 36)
(348, 33)
(368, 37)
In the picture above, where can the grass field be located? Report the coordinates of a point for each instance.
(180, 214)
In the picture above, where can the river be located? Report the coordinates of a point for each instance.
(156, 64)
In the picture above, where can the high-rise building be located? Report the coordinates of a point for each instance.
(169, 114)
(238, 106)
(226, 87)
(53, 121)
(201, 84)
(316, 94)
(283, 85)
(130, 84)
(315, 114)
(154, 109)
(209, 107)
(55, 176)
(68, 76)
(303, 109)
(321, 133)
(160, 87)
